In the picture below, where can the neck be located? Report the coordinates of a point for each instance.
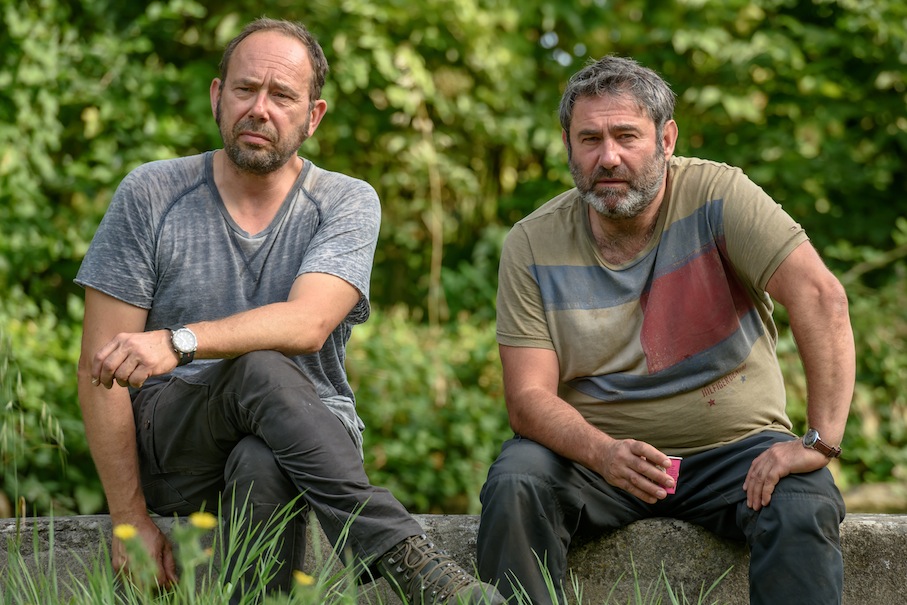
(621, 240)
(253, 200)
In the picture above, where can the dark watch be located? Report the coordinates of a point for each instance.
(812, 441)
(184, 343)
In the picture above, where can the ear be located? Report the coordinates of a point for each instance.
(214, 93)
(319, 108)
(669, 138)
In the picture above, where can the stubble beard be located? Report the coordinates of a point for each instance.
(255, 159)
(616, 203)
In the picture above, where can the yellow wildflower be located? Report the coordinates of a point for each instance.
(303, 578)
(124, 531)
(203, 520)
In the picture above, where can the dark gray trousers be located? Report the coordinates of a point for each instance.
(535, 501)
(255, 426)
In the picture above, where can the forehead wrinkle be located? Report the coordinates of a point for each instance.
(618, 127)
(274, 82)
(256, 63)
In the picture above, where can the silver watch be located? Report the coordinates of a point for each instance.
(812, 441)
(184, 344)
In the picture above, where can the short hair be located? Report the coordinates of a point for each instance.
(612, 75)
(292, 29)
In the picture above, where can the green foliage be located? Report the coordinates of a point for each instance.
(449, 110)
(432, 401)
(38, 428)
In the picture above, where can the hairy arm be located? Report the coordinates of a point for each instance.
(110, 430)
(817, 305)
(537, 413)
(317, 303)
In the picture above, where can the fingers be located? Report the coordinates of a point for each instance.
(634, 467)
(106, 365)
(760, 485)
(168, 566)
(158, 551)
(128, 360)
(772, 465)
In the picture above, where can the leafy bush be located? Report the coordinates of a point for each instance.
(451, 115)
(432, 401)
(44, 455)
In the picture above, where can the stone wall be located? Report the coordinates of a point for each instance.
(874, 547)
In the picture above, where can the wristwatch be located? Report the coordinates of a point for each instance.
(184, 344)
(812, 441)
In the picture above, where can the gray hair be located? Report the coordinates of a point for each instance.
(293, 30)
(620, 76)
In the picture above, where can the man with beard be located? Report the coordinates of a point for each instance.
(221, 290)
(634, 324)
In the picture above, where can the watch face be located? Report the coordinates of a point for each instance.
(184, 341)
(810, 438)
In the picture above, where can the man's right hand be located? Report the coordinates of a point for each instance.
(155, 543)
(633, 467)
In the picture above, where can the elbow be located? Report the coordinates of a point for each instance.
(307, 343)
(519, 419)
(823, 306)
(83, 370)
(515, 422)
(832, 298)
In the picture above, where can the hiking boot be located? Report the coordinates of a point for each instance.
(423, 575)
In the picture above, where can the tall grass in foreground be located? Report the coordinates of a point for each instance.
(200, 553)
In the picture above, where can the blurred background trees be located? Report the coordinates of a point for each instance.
(448, 107)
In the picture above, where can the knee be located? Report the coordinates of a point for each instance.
(525, 477)
(270, 376)
(253, 474)
(525, 457)
(802, 505)
(271, 364)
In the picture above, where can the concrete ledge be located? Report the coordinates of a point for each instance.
(874, 546)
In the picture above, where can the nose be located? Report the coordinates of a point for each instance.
(260, 107)
(609, 155)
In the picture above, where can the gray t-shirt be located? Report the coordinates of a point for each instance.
(167, 244)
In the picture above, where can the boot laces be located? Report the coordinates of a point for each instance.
(427, 571)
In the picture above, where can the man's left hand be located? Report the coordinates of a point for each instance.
(778, 461)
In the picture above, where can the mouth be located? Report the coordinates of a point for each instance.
(253, 138)
(610, 183)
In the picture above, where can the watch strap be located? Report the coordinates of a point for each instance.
(812, 440)
(185, 357)
(829, 451)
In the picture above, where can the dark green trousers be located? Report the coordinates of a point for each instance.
(535, 501)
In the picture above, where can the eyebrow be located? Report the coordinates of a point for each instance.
(275, 85)
(623, 127)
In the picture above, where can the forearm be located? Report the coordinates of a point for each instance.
(275, 327)
(317, 304)
(531, 378)
(549, 420)
(817, 306)
(110, 430)
(825, 341)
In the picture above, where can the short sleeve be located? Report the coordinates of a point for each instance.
(521, 319)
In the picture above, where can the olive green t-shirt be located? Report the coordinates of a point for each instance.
(677, 346)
